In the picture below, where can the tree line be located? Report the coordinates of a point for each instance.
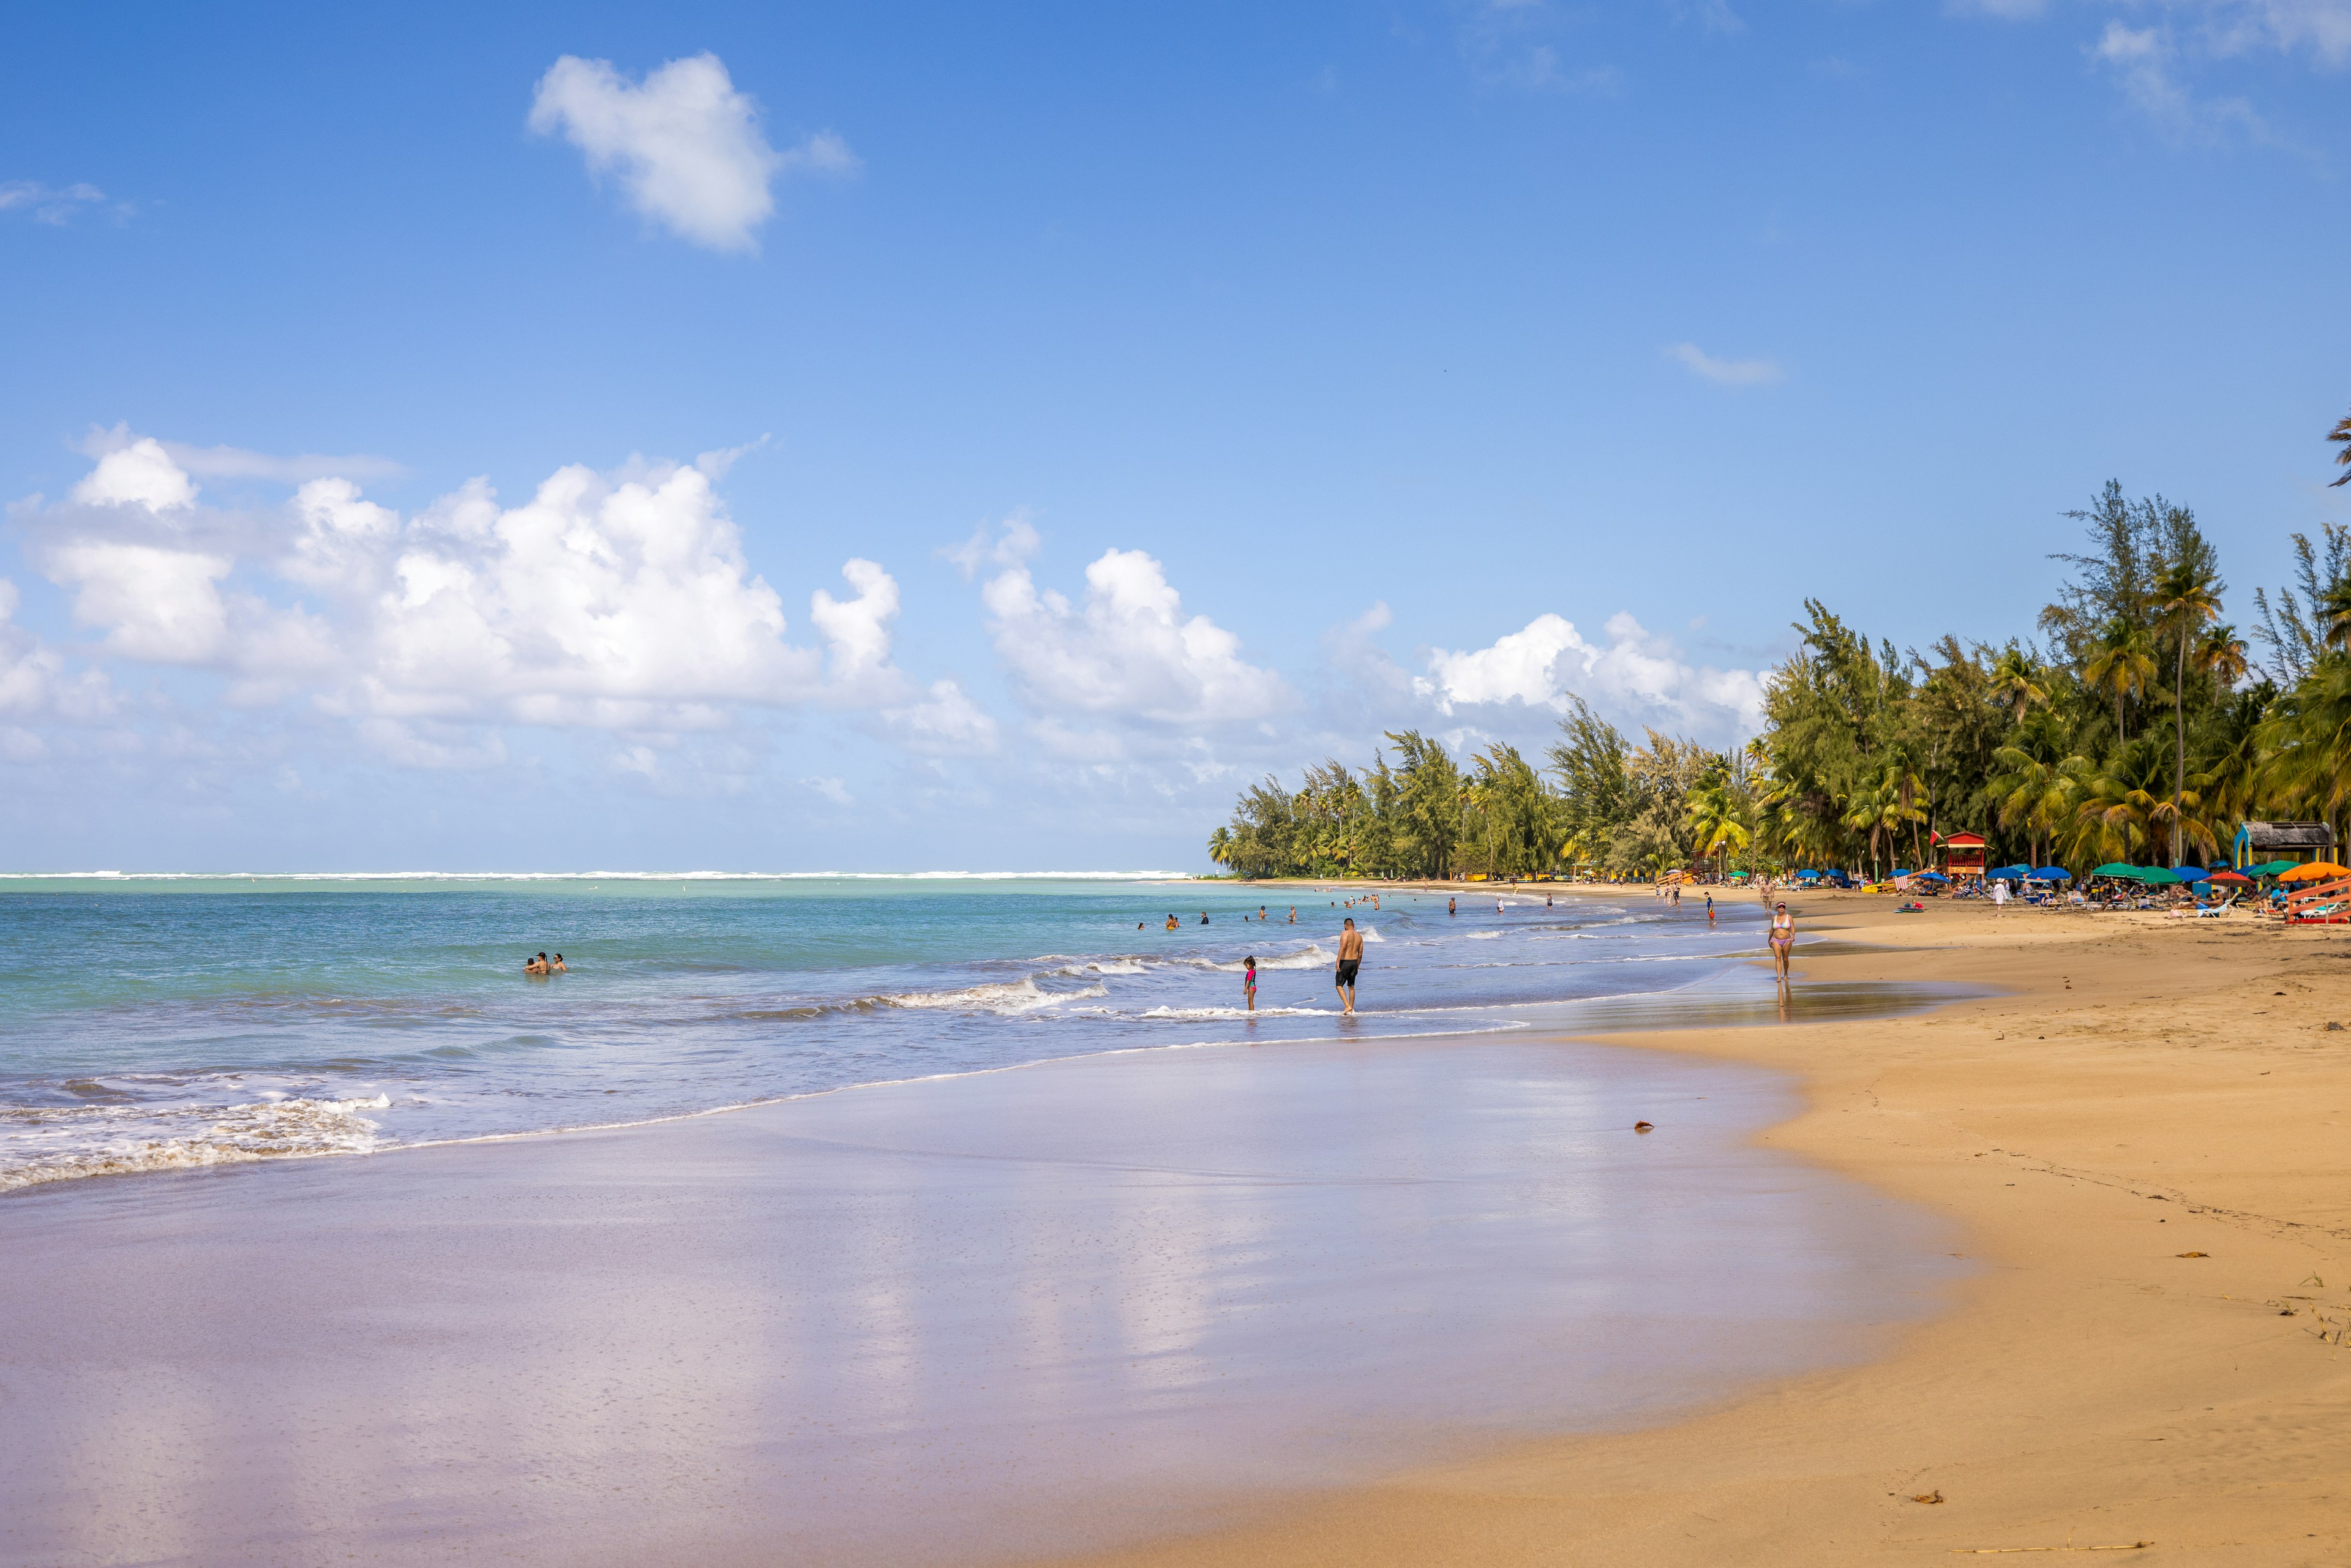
(2140, 726)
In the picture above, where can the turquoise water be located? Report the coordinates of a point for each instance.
(154, 1023)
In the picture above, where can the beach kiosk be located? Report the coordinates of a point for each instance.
(1963, 854)
(2260, 843)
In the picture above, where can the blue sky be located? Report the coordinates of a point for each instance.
(1205, 389)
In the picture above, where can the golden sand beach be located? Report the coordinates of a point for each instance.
(2144, 1139)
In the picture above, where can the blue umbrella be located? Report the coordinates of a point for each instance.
(2008, 873)
(2193, 873)
(1930, 876)
(2053, 873)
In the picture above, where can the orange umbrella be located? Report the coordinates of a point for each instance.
(2314, 871)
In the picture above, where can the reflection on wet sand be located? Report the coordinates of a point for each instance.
(938, 1321)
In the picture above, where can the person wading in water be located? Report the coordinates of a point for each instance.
(1351, 959)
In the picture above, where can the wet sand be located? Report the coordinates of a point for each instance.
(2146, 1144)
(1036, 1312)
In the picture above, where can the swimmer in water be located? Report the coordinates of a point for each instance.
(535, 966)
(558, 967)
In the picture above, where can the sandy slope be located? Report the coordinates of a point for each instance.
(2142, 1089)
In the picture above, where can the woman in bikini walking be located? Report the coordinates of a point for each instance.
(1784, 938)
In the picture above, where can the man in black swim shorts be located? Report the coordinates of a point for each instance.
(1351, 958)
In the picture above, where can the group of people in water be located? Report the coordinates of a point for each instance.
(542, 965)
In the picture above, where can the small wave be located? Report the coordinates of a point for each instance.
(59, 1144)
(1009, 996)
(1485, 935)
(1196, 1013)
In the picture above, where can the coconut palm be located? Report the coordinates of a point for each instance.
(2222, 654)
(1881, 807)
(2306, 740)
(2342, 433)
(1220, 847)
(2188, 600)
(2122, 665)
(2018, 681)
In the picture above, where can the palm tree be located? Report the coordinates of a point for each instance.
(2186, 599)
(1880, 809)
(1220, 847)
(2036, 787)
(2221, 655)
(2122, 665)
(2016, 680)
(1722, 816)
(2306, 741)
(2342, 433)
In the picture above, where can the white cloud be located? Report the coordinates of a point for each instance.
(238, 463)
(1015, 542)
(51, 204)
(858, 628)
(619, 600)
(1725, 372)
(946, 723)
(832, 790)
(2143, 57)
(1637, 674)
(136, 474)
(1129, 652)
(34, 682)
(685, 144)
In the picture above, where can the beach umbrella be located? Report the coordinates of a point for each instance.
(2008, 873)
(1932, 876)
(2193, 873)
(2269, 868)
(2313, 872)
(2053, 873)
(2231, 877)
(2117, 868)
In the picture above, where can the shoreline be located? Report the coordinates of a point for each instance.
(2141, 1135)
(958, 1321)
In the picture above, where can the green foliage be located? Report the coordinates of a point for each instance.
(2133, 735)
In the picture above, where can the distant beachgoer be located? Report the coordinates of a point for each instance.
(1784, 939)
(1171, 922)
(1351, 959)
(535, 966)
(1710, 907)
(559, 966)
(1138, 925)
(1293, 915)
(1546, 901)
(1248, 981)
(1204, 917)
(1260, 912)
(1449, 909)
(1497, 906)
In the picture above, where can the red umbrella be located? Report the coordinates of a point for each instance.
(2228, 876)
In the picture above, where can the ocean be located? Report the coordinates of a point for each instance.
(150, 1023)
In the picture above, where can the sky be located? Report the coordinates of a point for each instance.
(895, 437)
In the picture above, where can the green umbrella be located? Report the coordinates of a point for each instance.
(2157, 874)
(2117, 868)
(2271, 868)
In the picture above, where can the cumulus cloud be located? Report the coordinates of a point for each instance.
(1636, 673)
(136, 474)
(1128, 651)
(684, 143)
(617, 600)
(1724, 372)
